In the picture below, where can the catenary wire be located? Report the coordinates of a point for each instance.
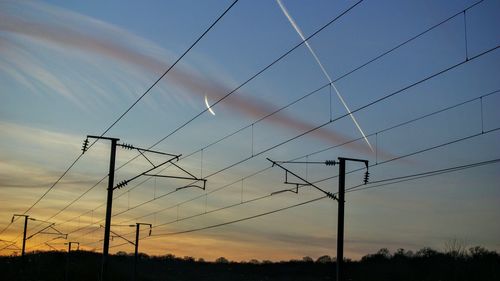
(228, 94)
(132, 105)
(476, 56)
(337, 79)
(351, 189)
(377, 164)
(394, 93)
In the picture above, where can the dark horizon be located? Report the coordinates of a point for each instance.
(476, 263)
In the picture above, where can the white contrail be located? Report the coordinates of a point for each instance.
(299, 31)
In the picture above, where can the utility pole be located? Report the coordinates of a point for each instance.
(109, 201)
(42, 231)
(340, 221)
(23, 249)
(24, 236)
(111, 177)
(340, 199)
(136, 256)
(69, 246)
(68, 258)
(136, 244)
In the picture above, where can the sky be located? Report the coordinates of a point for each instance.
(410, 86)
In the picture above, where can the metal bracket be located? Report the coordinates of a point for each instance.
(297, 185)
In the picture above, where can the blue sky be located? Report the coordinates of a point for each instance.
(69, 69)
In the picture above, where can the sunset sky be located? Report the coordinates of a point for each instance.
(421, 78)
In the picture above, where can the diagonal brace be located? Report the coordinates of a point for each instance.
(306, 182)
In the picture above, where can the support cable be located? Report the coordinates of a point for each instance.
(335, 80)
(401, 178)
(385, 97)
(379, 163)
(390, 160)
(351, 189)
(131, 106)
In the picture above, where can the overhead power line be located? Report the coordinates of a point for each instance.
(240, 220)
(418, 118)
(133, 104)
(452, 67)
(406, 178)
(261, 71)
(400, 179)
(471, 136)
(325, 73)
(231, 92)
(351, 189)
(436, 172)
(376, 101)
(172, 66)
(282, 108)
(373, 182)
(326, 85)
(390, 160)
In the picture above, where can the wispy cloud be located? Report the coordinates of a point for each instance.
(21, 65)
(101, 39)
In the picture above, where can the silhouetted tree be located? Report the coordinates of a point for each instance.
(307, 259)
(426, 265)
(426, 252)
(121, 253)
(188, 259)
(221, 260)
(324, 259)
(169, 257)
(455, 247)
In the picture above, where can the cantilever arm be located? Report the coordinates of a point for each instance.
(329, 194)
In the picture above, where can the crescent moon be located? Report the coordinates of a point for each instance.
(208, 106)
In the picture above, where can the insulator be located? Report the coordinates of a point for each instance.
(367, 177)
(85, 145)
(121, 184)
(331, 196)
(128, 146)
(330, 162)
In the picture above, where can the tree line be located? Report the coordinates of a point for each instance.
(427, 264)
